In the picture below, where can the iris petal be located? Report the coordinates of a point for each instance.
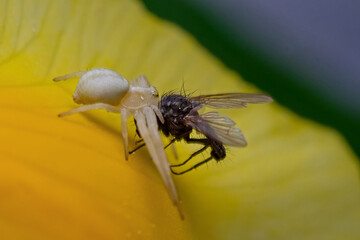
(67, 179)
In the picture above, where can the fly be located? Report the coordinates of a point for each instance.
(181, 116)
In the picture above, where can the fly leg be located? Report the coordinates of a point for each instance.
(204, 141)
(171, 142)
(143, 144)
(207, 143)
(139, 141)
(137, 148)
(191, 156)
(193, 167)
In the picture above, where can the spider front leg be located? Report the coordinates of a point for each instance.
(173, 148)
(70, 75)
(125, 114)
(88, 107)
(148, 128)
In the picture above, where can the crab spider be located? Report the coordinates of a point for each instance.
(105, 89)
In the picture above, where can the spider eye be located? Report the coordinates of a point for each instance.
(155, 92)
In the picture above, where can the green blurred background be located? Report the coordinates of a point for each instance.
(300, 52)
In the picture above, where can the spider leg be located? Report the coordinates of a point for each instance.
(148, 128)
(193, 167)
(158, 113)
(142, 145)
(68, 76)
(173, 148)
(88, 107)
(125, 114)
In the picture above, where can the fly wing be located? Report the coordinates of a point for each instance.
(217, 127)
(231, 100)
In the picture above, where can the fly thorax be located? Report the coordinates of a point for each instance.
(175, 106)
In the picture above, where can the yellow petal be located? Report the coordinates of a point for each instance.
(67, 178)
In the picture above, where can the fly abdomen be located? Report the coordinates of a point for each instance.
(218, 151)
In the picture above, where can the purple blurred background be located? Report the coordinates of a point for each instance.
(320, 39)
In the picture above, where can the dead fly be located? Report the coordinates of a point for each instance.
(181, 116)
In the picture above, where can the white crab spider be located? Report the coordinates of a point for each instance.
(101, 88)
